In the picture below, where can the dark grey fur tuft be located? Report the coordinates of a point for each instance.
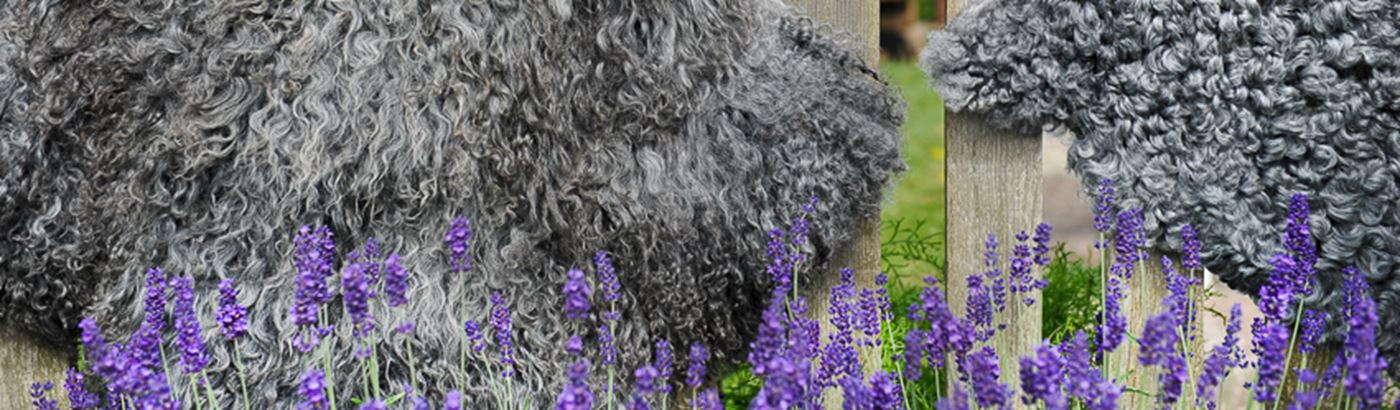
(198, 136)
(1211, 113)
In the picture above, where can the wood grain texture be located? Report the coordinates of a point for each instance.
(25, 360)
(994, 186)
(861, 19)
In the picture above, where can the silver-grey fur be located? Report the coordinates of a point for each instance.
(1211, 113)
(198, 136)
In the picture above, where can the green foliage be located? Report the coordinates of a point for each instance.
(909, 248)
(1071, 300)
(927, 10)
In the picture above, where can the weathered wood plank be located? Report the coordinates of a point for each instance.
(994, 186)
(25, 360)
(861, 18)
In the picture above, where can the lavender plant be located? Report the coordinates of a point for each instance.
(798, 366)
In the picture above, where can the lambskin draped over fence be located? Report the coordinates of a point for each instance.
(198, 136)
(1211, 113)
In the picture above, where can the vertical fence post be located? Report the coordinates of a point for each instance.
(25, 360)
(994, 186)
(861, 18)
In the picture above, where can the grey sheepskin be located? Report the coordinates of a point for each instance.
(199, 135)
(1210, 113)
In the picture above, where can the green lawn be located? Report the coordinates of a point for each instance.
(919, 192)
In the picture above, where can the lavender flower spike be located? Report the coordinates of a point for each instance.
(664, 362)
(312, 389)
(356, 292)
(232, 317)
(458, 241)
(193, 355)
(576, 295)
(500, 320)
(695, 375)
(39, 392)
(78, 396)
(395, 281)
(155, 298)
(1190, 248)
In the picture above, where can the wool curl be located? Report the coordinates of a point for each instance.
(198, 136)
(1210, 113)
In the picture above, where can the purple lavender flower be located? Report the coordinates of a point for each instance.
(395, 281)
(1298, 241)
(1178, 302)
(1313, 325)
(1129, 241)
(1270, 345)
(883, 292)
(1159, 340)
(193, 355)
(406, 327)
(1112, 324)
(374, 405)
(1042, 244)
(155, 298)
(695, 374)
(39, 392)
(868, 317)
(607, 277)
(854, 394)
(709, 400)
(946, 333)
(606, 345)
(664, 363)
(1022, 280)
(458, 241)
(992, 261)
(576, 295)
(1190, 248)
(574, 346)
(780, 268)
(959, 401)
(232, 317)
(315, 255)
(576, 395)
(644, 388)
(768, 346)
(355, 287)
(1041, 378)
(982, 370)
(1305, 399)
(474, 336)
(315, 258)
(1276, 296)
(500, 320)
(1082, 380)
(312, 389)
(1103, 207)
(1365, 369)
(1220, 361)
(979, 307)
(885, 393)
(78, 396)
(144, 345)
(453, 401)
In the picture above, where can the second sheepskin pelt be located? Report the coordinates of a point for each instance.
(1211, 113)
(198, 136)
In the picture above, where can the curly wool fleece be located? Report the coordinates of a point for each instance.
(1210, 113)
(198, 136)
